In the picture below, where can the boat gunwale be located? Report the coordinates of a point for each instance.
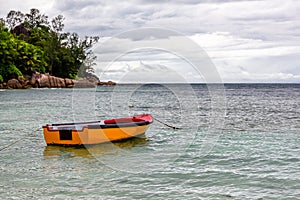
(99, 126)
(118, 125)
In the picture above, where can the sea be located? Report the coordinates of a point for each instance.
(232, 141)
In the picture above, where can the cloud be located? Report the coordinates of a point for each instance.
(78, 5)
(261, 36)
(267, 20)
(147, 72)
(24, 6)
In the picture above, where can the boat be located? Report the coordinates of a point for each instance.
(96, 132)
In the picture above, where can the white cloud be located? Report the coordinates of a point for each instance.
(148, 71)
(251, 60)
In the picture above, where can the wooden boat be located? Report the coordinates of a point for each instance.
(87, 133)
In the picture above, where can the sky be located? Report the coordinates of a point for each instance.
(239, 41)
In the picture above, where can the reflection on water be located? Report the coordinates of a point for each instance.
(91, 151)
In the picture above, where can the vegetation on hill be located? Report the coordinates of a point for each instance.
(32, 43)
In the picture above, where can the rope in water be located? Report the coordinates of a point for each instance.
(9, 145)
(174, 127)
(3, 148)
(170, 126)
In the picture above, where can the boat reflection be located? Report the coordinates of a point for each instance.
(92, 151)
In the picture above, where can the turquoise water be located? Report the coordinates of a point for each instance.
(254, 155)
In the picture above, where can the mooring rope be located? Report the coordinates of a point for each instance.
(9, 145)
(170, 126)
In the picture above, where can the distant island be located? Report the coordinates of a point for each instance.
(35, 52)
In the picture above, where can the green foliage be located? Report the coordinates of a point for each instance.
(28, 43)
(30, 58)
(8, 52)
(18, 57)
(73, 76)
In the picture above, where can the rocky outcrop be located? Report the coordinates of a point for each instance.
(109, 83)
(46, 80)
(38, 80)
(83, 83)
(14, 84)
(69, 83)
(90, 80)
(21, 29)
(3, 85)
(43, 81)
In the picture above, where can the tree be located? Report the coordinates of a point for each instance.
(30, 43)
(8, 52)
(18, 57)
(57, 24)
(14, 18)
(35, 18)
